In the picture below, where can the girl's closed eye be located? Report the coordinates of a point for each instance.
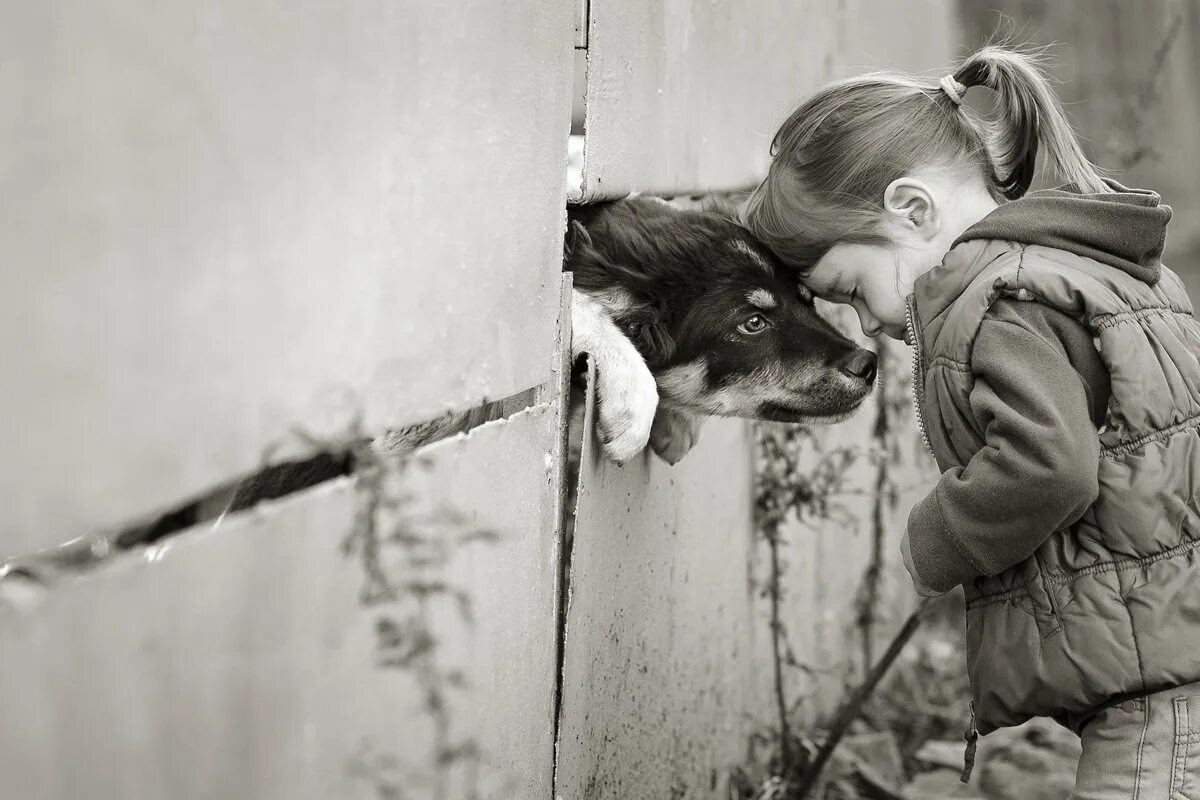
(837, 293)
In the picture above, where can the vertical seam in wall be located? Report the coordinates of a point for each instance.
(563, 476)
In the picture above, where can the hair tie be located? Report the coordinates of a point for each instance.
(953, 89)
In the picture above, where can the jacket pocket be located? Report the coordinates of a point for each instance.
(1041, 595)
(1021, 589)
(1185, 754)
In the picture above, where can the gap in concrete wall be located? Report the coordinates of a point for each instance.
(576, 430)
(328, 460)
(576, 145)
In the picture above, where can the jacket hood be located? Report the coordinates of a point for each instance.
(1125, 229)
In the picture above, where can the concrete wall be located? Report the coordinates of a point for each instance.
(251, 232)
(259, 658)
(240, 231)
(238, 220)
(683, 97)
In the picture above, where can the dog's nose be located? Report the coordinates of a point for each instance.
(860, 364)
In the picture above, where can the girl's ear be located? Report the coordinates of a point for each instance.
(911, 205)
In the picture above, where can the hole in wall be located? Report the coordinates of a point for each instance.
(577, 140)
(579, 95)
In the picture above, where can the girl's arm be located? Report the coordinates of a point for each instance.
(1036, 473)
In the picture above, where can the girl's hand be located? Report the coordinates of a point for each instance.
(906, 554)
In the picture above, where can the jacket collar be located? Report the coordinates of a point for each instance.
(1124, 229)
(936, 290)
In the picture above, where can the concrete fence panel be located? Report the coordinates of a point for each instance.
(683, 97)
(659, 677)
(229, 220)
(355, 641)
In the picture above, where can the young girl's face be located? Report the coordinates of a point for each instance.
(873, 279)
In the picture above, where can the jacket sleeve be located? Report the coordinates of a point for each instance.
(1035, 474)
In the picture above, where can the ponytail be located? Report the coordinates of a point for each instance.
(1029, 113)
(835, 155)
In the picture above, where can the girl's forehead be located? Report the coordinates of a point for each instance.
(857, 259)
(851, 268)
(841, 263)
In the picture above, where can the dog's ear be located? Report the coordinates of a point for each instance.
(576, 240)
(647, 330)
(655, 342)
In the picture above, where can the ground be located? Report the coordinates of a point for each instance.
(907, 742)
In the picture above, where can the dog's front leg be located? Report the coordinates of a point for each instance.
(626, 396)
(674, 433)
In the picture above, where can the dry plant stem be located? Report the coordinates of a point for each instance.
(868, 600)
(850, 709)
(782, 488)
(777, 632)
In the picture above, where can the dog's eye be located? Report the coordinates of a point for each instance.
(753, 325)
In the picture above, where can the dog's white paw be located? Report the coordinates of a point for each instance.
(626, 395)
(626, 399)
(674, 434)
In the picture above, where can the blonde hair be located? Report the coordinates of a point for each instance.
(836, 154)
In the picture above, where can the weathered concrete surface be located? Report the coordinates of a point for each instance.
(684, 97)
(658, 674)
(240, 662)
(844, 587)
(227, 221)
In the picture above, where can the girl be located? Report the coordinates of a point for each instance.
(1057, 384)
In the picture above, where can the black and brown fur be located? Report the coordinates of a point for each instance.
(723, 326)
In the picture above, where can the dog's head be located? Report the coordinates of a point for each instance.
(724, 327)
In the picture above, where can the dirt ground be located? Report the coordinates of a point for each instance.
(907, 742)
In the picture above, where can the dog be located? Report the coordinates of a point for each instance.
(685, 315)
(720, 325)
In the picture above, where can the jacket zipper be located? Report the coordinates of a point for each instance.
(918, 375)
(971, 735)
